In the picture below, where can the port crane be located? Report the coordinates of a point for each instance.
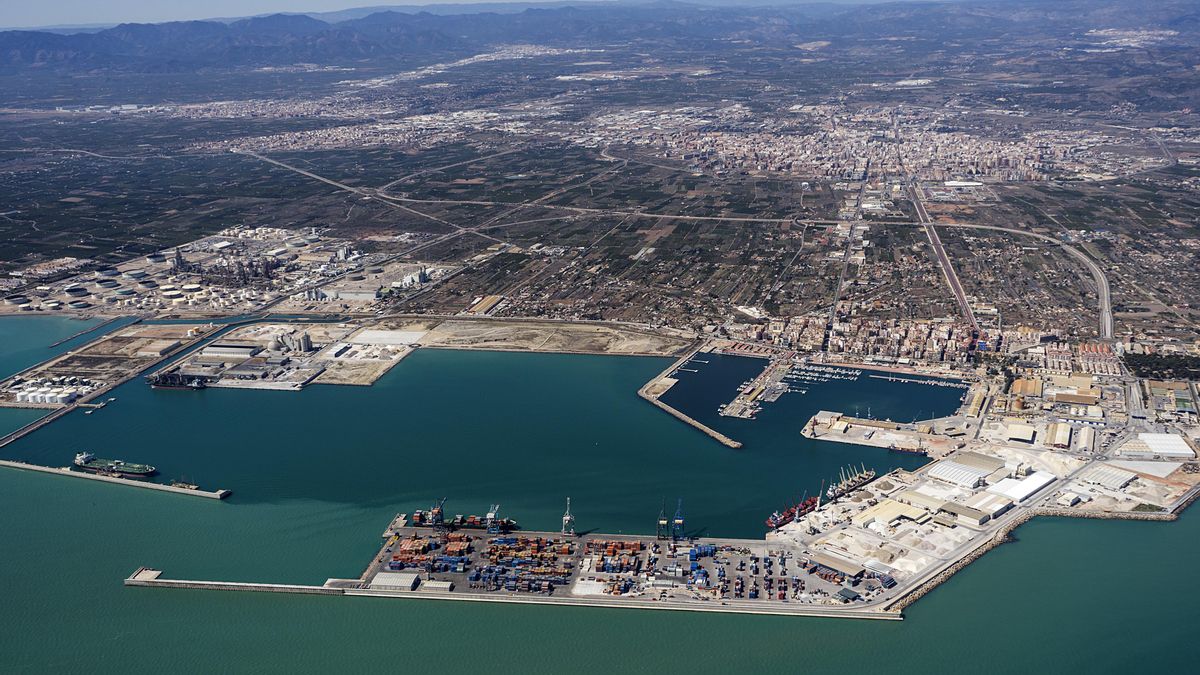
(493, 519)
(568, 524)
(664, 524)
(437, 516)
(677, 522)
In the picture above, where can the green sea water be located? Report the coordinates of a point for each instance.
(318, 473)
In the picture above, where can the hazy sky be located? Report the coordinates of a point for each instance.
(15, 13)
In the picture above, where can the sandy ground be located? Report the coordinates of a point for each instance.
(550, 337)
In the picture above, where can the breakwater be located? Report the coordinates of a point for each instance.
(64, 471)
(648, 392)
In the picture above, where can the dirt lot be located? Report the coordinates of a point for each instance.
(550, 337)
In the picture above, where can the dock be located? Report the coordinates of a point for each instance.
(588, 570)
(65, 471)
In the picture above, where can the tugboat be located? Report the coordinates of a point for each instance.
(87, 461)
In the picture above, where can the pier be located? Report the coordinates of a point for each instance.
(66, 471)
(910, 380)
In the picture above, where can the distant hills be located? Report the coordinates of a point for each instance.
(347, 37)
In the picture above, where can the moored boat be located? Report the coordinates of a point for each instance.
(86, 461)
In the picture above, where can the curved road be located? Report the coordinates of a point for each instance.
(1102, 287)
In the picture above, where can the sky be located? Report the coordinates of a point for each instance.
(24, 13)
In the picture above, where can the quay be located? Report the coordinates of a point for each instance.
(659, 384)
(65, 471)
(588, 570)
(147, 577)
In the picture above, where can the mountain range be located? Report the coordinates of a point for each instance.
(350, 37)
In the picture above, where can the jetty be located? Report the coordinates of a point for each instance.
(66, 471)
(661, 383)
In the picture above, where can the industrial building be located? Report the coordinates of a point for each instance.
(888, 512)
(964, 514)
(1058, 435)
(1022, 433)
(1109, 477)
(237, 350)
(395, 581)
(1018, 490)
(1166, 446)
(993, 505)
(966, 470)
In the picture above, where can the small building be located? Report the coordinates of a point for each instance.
(438, 586)
(1067, 499)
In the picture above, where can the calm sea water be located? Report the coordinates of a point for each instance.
(318, 473)
(26, 340)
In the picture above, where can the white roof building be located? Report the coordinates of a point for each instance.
(1024, 488)
(1158, 445)
(1108, 477)
(958, 474)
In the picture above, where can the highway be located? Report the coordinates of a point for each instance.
(943, 260)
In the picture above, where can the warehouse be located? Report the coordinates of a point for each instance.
(962, 475)
(835, 564)
(243, 350)
(992, 504)
(1148, 445)
(1085, 439)
(1058, 435)
(395, 581)
(1020, 432)
(965, 514)
(914, 498)
(1108, 477)
(1024, 488)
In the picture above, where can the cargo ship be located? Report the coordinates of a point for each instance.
(805, 507)
(434, 518)
(851, 479)
(86, 461)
